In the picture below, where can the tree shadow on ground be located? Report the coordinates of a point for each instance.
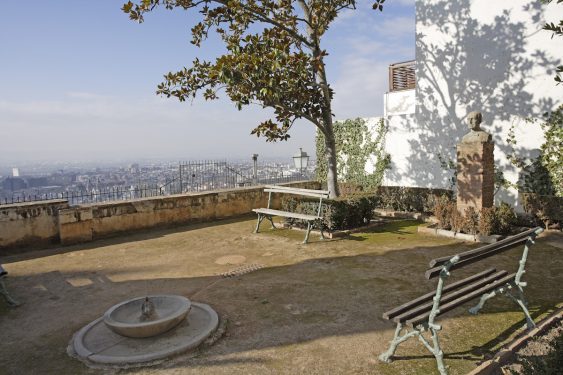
(269, 311)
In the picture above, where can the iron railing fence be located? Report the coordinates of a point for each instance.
(119, 193)
(192, 176)
(213, 175)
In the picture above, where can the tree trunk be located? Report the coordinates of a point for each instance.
(330, 155)
(327, 128)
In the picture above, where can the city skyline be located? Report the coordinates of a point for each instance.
(79, 81)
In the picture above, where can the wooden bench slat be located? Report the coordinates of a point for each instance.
(434, 272)
(303, 193)
(500, 246)
(269, 211)
(427, 297)
(449, 297)
(325, 192)
(460, 301)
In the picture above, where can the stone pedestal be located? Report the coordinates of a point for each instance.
(475, 175)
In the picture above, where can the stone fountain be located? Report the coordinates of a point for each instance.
(144, 329)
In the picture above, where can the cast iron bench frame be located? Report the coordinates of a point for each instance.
(3, 291)
(311, 219)
(419, 314)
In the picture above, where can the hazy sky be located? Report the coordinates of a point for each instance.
(78, 81)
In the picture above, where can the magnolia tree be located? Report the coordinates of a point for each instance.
(274, 58)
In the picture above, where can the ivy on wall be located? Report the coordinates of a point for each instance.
(355, 146)
(544, 175)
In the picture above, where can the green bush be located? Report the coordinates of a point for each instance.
(410, 199)
(457, 220)
(487, 221)
(547, 209)
(505, 218)
(349, 188)
(443, 212)
(493, 220)
(348, 212)
(471, 221)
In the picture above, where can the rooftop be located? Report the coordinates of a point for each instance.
(312, 308)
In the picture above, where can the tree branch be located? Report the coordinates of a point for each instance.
(264, 18)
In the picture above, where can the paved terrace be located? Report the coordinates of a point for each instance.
(312, 309)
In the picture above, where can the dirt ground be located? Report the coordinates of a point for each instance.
(304, 309)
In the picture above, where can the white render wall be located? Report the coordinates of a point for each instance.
(475, 55)
(402, 143)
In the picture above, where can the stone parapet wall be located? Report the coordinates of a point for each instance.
(30, 224)
(38, 223)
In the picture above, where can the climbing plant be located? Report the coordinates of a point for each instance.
(552, 148)
(557, 30)
(356, 145)
(544, 175)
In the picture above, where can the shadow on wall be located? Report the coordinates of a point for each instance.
(464, 65)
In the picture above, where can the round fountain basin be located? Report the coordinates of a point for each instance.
(125, 317)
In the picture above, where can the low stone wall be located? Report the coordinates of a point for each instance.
(30, 224)
(90, 222)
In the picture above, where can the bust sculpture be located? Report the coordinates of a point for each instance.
(476, 134)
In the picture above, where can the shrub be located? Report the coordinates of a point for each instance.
(457, 220)
(341, 213)
(411, 199)
(471, 221)
(505, 218)
(443, 212)
(493, 220)
(548, 209)
(349, 188)
(487, 221)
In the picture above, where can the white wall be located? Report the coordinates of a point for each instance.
(478, 55)
(402, 143)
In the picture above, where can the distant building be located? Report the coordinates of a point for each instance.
(134, 168)
(34, 182)
(15, 172)
(14, 184)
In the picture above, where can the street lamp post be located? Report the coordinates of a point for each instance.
(301, 159)
(255, 171)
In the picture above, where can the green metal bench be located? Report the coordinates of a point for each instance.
(419, 315)
(311, 219)
(3, 291)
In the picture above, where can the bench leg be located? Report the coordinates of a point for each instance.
(321, 229)
(308, 231)
(475, 309)
(521, 301)
(434, 349)
(438, 353)
(271, 221)
(397, 339)
(9, 300)
(260, 218)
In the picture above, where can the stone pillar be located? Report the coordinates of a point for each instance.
(475, 176)
(475, 168)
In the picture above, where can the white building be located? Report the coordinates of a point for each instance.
(473, 55)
